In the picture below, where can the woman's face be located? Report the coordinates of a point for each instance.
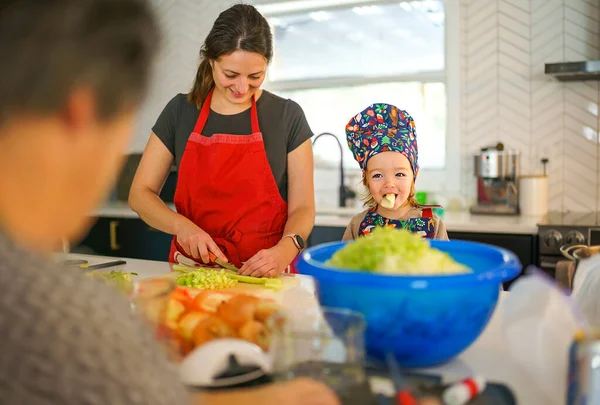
(238, 75)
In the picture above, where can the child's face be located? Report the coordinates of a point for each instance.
(389, 173)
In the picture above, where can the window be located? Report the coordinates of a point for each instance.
(336, 57)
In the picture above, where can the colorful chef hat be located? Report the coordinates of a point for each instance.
(382, 128)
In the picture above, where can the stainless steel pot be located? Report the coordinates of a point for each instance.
(496, 164)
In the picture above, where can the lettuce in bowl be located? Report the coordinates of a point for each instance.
(390, 250)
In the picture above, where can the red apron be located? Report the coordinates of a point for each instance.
(225, 186)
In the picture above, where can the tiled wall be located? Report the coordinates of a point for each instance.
(507, 97)
(185, 24)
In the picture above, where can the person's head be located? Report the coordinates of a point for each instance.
(383, 141)
(234, 57)
(74, 72)
(390, 173)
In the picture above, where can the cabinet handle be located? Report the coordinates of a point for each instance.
(113, 235)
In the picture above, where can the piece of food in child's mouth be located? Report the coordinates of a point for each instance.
(388, 201)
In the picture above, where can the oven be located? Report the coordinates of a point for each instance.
(565, 228)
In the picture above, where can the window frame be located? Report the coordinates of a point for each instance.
(445, 180)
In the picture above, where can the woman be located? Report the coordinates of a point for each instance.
(245, 189)
(77, 72)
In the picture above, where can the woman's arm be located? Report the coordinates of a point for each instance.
(301, 216)
(301, 197)
(149, 179)
(144, 200)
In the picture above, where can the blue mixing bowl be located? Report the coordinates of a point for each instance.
(423, 320)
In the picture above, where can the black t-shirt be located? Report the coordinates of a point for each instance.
(282, 123)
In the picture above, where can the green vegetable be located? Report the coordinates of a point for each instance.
(116, 278)
(206, 279)
(395, 251)
(271, 283)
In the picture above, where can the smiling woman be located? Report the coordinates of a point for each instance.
(245, 165)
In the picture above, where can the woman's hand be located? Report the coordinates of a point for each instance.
(197, 243)
(270, 262)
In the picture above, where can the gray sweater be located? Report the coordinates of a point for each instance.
(66, 339)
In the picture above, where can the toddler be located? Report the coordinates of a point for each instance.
(384, 143)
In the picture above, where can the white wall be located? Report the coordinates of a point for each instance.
(507, 97)
(185, 24)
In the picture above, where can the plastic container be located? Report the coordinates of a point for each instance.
(423, 320)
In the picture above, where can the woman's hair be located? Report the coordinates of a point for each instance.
(49, 47)
(240, 27)
(370, 202)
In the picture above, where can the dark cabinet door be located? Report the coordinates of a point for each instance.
(125, 237)
(140, 241)
(324, 234)
(524, 246)
(97, 240)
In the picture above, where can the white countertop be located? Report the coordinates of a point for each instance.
(455, 221)
(486, 357)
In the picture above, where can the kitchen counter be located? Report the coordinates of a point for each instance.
(301, 294)
(488, 356)
(455, 221)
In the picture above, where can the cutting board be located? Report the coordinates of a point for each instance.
(287, 283)
(293, 292)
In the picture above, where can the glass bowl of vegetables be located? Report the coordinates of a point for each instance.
(424, 301)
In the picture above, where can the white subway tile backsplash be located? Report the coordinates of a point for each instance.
(513, 101)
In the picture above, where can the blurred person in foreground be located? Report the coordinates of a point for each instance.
(73, 73)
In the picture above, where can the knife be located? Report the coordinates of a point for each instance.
(227, 266)
(84, 264)
(105, 265)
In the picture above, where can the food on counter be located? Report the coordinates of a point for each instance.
(255, 332)
(212, 327)
(206, 279)
(271, 283)
(118, 279)
(195, 320)
(388, 201)
(397, 252)
(238, 310)
(215, 279)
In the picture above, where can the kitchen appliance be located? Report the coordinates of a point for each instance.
(533, 195)
(571, 71)
(497, 172)
(557, 229)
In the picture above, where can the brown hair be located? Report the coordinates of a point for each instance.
(369, 202)
(55, 45)
(240, 27)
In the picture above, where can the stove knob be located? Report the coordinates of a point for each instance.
(575, 238)
(553, 239)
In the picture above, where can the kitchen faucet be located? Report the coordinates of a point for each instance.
(344, 192)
